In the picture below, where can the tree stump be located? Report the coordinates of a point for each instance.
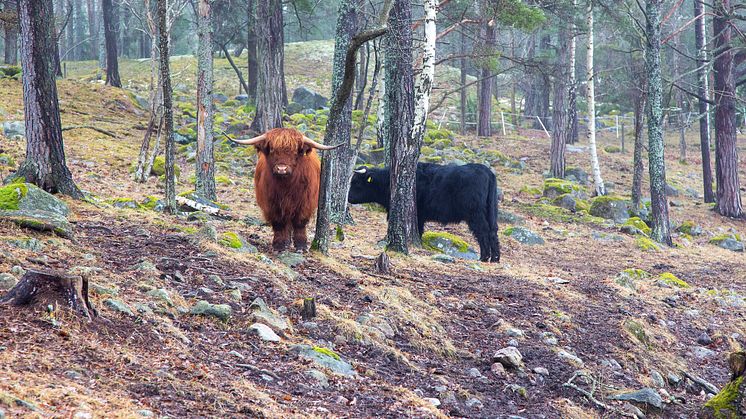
(383, 263)
(730, 402)
(309, 308)
(48, 287)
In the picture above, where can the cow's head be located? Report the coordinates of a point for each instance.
(284, 149)
(369, 185)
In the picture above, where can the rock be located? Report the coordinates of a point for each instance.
(554, 188)
(217, 280)
(208, 232)
(442, 258)
(513, 343)
(294, 108)
(731, 244)
(673, 379)
(307, 98)
(145, 413)
(219, 97)
(378, 323)
(603, 237)
(633, 410)
(474, 373)
(523, 235)
(572, 359)
(29, 243)
(671, 191)
(162, 295)
(704, 339)
(145, 266)
(509, 357)
(541, 371)
(610, 208)
(264, 332)
(262, 313)
(612, 364)
(701, 352)
(14, 128)
(291, 259)
(514, 332)
(474, 403)
(576, 174)
(549, 338)
(236, 242)
(567, 202)
(498, 369)
(252, 221)
(31, 207)
(507, 217)
(72, 374)
(204, 308)
(448, 244)
(433, 401)
(7, 281)
(646, 396)
(318, 377)
(17, 271)
(657, 379)
(118, 306)
(324, 357)
(103, 289)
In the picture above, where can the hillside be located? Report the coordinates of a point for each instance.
(595, 296)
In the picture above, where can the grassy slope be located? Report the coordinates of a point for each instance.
(448, 318)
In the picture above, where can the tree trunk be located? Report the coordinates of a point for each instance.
(251, 53)
(656, 163)
(77, 21)
(704, 93)
(92, 30)
(598, 182)
(726, 161)
(639, 166)
(679, 97)
(463, 92)
(167, 109)
(424, 84)
(381, 121)
(111, 29)
(572, 105)
(44, 288)
(45, 154)
(337, 167)
(11, 36)
(560, 116)
(484, 118)
(402, 228)
(362, 77)
(205, 158)
(270, 85)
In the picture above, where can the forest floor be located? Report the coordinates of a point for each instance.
(427, 331)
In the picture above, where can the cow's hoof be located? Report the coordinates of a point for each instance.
(280, 247)
(301, 249)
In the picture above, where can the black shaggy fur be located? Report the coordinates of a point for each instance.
(446, 194)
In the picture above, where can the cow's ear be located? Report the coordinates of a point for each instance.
(262, 147)
(305, 149)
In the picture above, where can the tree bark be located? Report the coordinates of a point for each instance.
(484, 117)
(205, 157)
(111, 29)
(704, 93)
(251, 53)
(424, 84)
(639, 165)
(463, 92)
(92, 30)
(661, 230)
(11, 34)
(402, 227)
(270, 87)
(167, 109)
(572, 105)
(45, 154)
(598, 182)
(381, 122)
(726, 151)
(560, 115)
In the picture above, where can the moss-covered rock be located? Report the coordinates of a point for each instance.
(689, 228)
(728, 403)
(159, 167)
(629, 277)
(646, 244)
(530, 190)
(220, 311)
(448, 244)
(234, 241)
(731, 241)
(523, 235)
(128, 203)
(554, 188)
(31, 207)
(610, 208)
(639, 225)
(612, 149)
(667, 278)
(7, 160)
(637, 330)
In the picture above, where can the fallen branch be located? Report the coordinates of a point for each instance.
(710, 388)
(258, 370)
(101, 130)
(589, 394)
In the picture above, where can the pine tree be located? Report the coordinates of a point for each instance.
(111, 29)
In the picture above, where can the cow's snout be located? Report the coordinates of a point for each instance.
(281, 169)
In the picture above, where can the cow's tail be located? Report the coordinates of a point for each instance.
(492, 219)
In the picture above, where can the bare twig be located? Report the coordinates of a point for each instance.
(91, 127)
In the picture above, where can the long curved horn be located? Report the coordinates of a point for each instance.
(250, 141)
(314, 144)
(361, 170)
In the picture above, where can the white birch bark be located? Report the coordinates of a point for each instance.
(424, 83)
(598, 183)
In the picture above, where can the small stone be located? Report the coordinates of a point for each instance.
(318, 377)
(523, 235)
(432, 400)
(611, 364)
(571, 358)
(7, 281)
(217, 280)
(235, 295)
(646, 396)
(146, 413)
(657, 379)
(204, 308)
(236, 354)
(264, 332)
(474, 403)
(145, 266)
(17, 271)
(673, 379)
(701, 352)
(83, 415)
(633, 410)
(310, 326)
(325, 358)
(541, 371)
(474, 373)
(161, 295)
(291, 259)
(443, 258)
(704, 339)
(262, 313)
(72, 374)
(498, 369)
(515, 333)
(549, 338)
(510, 357)
(440, 389)
(118, 306)
(513, 343)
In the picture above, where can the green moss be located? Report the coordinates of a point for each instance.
(531, 190)
(427, 151)
(552, 213)
(374, 207)
(327, 352)
(223, 180)
(7, 160)
(637, 223)
(433, 134)
(722, 237)
(441, 144)
(159, 167)
(187, 132)
(646, 244)
(340, 234)
(724, 405)
(635, 273)
(428, 241)
(673, 280)
(230, 103)
(561, 186)
(638, 331)
(150, 202)
(11, 195)
(582, 205)
(230, 239)
(612, 149)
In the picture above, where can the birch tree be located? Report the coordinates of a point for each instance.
(700, 36)
(598, 183)
(661, 229)
(424, 83)
(168, 116)
(205, 169)
(726, 150)
(572, 95)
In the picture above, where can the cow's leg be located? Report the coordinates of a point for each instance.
(281, 238)
(300, 240)
(494, 247)
(480, 229)
(421, 227)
